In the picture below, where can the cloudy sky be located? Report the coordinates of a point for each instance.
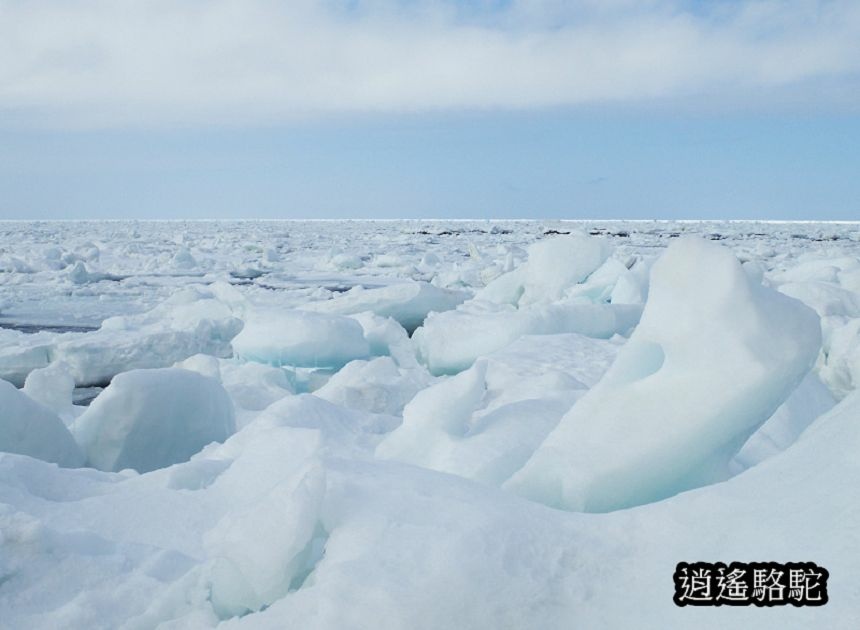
(422, 108)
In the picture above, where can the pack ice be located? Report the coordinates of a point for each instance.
(29, 428)
(301, 338)
(713, 357)
(562, 288)
(150, 419)
(373, 424)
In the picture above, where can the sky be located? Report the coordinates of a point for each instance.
(430, 108)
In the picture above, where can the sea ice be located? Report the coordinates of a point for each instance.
(554, 265)
(29, 428)
(712, 358)
(809, 401)
(485, 422)
(450, 342)
(191, 321)
(149, 419)
(53, 386)
(408, 303)
(329, 510)
(376, 386)
(301, 338)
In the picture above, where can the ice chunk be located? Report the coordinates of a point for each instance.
(21, 353)
(826, 299)
(485, 423)
(349, 429)
(841, 369)
(810, 400)
(79, 274)
(149, 419)
(582, 358)
(204, 364)
(632, 285)
(53, 387)
(254, 386)
(554, 265)
(711, 360)
(376, 386)
(189, 322)
(450, 342)
(28, 428)
(301, 338)
(408, 303)
(183, 259)
(387, 337)
(268, 548)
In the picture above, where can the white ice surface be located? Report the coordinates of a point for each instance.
(301, 338)
(408, 303)
(713, 357)
(377, 500)
(29, 428)
(149, 419)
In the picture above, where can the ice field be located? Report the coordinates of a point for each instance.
(423, 424)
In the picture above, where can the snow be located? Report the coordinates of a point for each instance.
(149, 419)
(649, 430)
(275, 447)
(28, 428)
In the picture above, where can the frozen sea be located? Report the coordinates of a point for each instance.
(423, 423)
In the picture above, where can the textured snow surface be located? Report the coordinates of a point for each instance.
(422, 424)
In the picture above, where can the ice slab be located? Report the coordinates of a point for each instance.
(408, 303)
(554, 265)
(450, 342)
(29, 428)
(713, 357)
(301, 338)
(484, 423)
(192, 321)
(149, 419)
(53, 386)
(375, 386)
(808, 402)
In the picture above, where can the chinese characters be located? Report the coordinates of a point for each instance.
(750, 583)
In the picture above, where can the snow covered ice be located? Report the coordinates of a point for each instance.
(150, 419)
(713, 357)
(422, 424)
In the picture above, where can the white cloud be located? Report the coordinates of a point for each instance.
(107, 62)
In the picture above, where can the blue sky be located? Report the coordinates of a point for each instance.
(619, 108)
